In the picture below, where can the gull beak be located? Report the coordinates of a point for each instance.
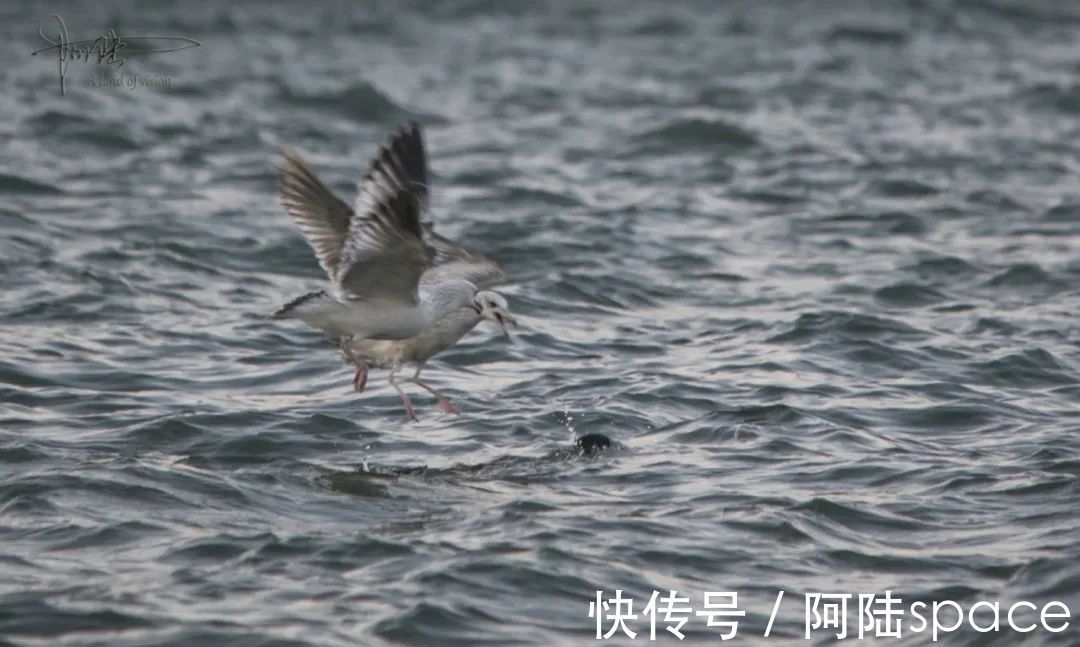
(503, 319)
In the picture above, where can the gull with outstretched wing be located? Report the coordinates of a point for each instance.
(402, 293)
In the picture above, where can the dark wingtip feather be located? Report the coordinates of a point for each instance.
(406, 208)
(284, 310)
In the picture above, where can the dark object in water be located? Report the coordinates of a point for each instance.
(591, 443)
(371, 480)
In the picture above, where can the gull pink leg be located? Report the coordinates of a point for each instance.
(444, 402)
(360, 380)
(446, 405)
(410, 413)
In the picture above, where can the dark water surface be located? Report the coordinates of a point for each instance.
(814, 267)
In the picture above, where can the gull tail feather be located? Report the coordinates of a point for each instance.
(315, 308)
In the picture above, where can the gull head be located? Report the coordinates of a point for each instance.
(491, 305)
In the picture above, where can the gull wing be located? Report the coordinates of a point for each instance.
(321, 216)
(406, 147)
(384, 253)
(453, 261)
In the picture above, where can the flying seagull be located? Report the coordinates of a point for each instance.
(402, 293)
